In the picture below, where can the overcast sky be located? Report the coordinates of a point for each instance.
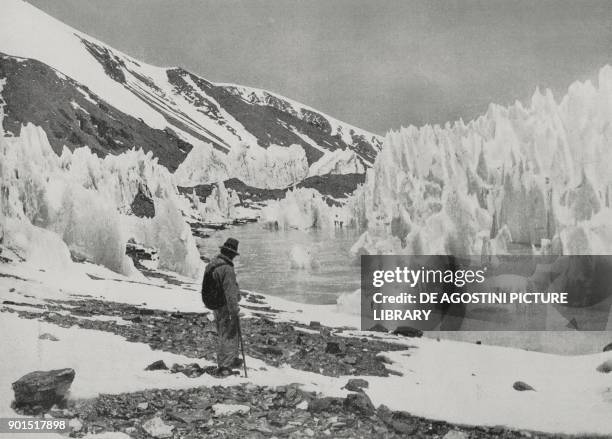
(377, 64)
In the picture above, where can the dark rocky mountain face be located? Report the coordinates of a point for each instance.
(73, 116)
(195, 110)
(182, 110)
(334, 188)
(271, 120)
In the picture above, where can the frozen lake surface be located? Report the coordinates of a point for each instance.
(277, 263)
(265, 265)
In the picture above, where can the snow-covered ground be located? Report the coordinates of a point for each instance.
(458, 382)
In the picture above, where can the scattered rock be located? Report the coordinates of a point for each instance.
(332, 347)
(607, 347)
(143, 406)
(273, 412)
(400, 422)
(326, 404)
(157, 365)
(605, 367)
(133, 319)
(359, 403)
(408, 331)
(356, 384)
(271, 350)
(62, 413)
(384, 359)
(455, 434)
(193, 335)
(521, 386)
(42, 389)
(378, 328)
(139, 252)
(193, 370)
(230, 409)
(350, 359)
(157, 428)
(75, 425)
(47, 336)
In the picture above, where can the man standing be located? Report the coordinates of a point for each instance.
(220, 277)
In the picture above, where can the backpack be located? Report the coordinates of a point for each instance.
(212, 292)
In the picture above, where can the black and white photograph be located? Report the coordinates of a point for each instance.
(305, 219)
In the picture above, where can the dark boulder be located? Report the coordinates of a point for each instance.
(133, 319)
(605, 367)
(333, 347)
(408, 331)
(327, 404)
(193, 370)
(521, 386)
(378, 328)
(356, 384)
(359, 403)
(401, 422)
(157, 365)
(43, 388)
(608, 347)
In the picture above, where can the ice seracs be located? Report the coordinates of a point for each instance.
(78, 203)
(536, 173)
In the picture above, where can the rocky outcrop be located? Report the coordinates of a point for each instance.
(40, 390)
(143, 205)
(73, 116)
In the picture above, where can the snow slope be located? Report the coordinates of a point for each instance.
(453, 381)
(204, 115)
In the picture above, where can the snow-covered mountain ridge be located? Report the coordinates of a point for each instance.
(83, 92)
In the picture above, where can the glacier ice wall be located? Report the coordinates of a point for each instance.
(85, 201)
(220, 205)
(302, 209)
(340, 161)
(529, 174)
(274, 167)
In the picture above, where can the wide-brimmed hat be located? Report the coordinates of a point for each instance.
(232, 245)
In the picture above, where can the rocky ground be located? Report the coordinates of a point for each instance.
(258, 412)
(244, 410)
(311, 348)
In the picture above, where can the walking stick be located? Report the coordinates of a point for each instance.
(242, 348)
